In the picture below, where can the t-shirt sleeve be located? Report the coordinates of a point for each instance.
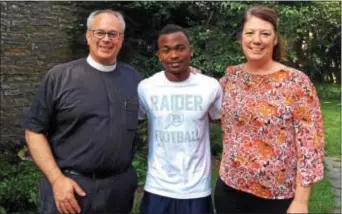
(142, 105)
(40, 112)
(215, 108)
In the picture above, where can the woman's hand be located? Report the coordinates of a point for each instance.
(298, 207)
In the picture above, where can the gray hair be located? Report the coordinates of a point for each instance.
(98, 12)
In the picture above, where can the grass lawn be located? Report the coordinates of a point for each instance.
(322, 198)
(332, 126)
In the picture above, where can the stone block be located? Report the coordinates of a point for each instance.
(336, 183)
(9, 37)
(338, 201)
(14, 92)
(17, 52)
(336, 210)
(337, 192)
(17, 15)
(4, 22)
(46, 21)
(17, 69)
(27, 61)
(3, 5)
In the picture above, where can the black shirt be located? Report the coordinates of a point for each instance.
(88, 116)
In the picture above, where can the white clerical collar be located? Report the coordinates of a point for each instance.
(100, 67)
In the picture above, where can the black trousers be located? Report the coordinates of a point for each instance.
(108, 195)
(157, 204)
(230, 200)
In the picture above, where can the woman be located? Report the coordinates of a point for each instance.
(272, 130)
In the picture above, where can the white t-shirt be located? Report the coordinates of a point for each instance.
(179, 158)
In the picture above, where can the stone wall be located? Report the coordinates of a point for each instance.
(35, 36)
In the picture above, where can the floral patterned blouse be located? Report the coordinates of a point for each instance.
(272, 132)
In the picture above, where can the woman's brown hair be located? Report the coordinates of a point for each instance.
(269, 15)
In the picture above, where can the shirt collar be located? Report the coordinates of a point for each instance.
(100, 67)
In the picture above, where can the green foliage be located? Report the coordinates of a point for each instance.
(18, 185)
(215, 140)
(2, 210)
(149, 65)
(140, 157)
(213, 50)
(140, 165)
(313, 34)
(311, 30)
(328, 91)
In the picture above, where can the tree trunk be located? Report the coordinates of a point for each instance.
(337, 73)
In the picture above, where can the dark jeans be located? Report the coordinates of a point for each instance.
(230, 200)
(108, 195)
(157, 204)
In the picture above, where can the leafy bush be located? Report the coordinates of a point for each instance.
(18, 185)
(214, 50)
(140, 157)
(140, 165)
(215, 140)
(327, 91)
(311, 31)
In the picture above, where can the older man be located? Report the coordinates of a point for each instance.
(80, 128)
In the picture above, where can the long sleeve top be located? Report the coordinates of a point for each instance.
(272, 132)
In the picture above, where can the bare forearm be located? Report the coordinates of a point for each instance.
(302, 194)
(41, 153)
(301, 200)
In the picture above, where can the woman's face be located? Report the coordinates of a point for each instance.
(258, 39)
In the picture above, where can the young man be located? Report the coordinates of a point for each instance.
(179, 106)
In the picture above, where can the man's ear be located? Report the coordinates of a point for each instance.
(157, 54)
(88, 37)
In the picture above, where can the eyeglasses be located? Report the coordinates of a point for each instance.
(100, 34)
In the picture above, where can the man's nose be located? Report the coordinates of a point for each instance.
(173, 54)
(106, 37)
